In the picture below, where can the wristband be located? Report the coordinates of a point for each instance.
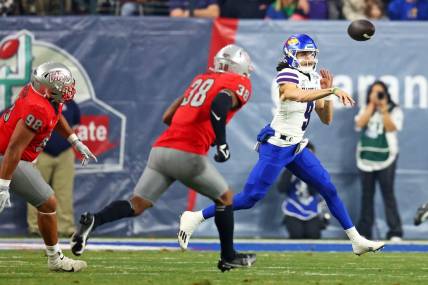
(334, 90)
(72, 138)
(4, 182)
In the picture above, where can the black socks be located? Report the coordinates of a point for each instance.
(224, 222)
(114, 211)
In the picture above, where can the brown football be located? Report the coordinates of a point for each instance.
(361, 30)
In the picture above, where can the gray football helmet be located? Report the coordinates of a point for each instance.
(233, 58)
(54, 80)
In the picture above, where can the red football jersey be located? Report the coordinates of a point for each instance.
(37, 113)
(191, 128)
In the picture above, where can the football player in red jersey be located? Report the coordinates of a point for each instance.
(196, 120)
(25, 128)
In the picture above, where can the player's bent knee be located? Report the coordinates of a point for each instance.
(49, 206)
(139, 204)
(225, 199)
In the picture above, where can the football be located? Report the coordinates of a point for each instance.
(361, 30)
(9, 48)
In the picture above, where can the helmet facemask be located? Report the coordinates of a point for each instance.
(307, 60)
(62, 87)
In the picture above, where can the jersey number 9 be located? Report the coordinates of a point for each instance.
(309, 108)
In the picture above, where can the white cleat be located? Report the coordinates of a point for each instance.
(189, 221)
(61, 263)
(364, 245)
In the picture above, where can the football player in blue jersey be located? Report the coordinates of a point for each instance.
(281, 144)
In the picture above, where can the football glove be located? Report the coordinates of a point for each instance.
(85, 152)
(223, 153)
(4, 198)
(82, 149)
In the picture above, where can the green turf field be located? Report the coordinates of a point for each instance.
(166, 267)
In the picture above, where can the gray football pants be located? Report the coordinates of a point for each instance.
(165, 165)
(28, 183)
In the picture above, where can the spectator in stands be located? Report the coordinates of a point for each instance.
(9, 7)
(196, 8)
(363, 9)
(244, 9)
(131, 7)
(304, 210)
(377, 154)
(46, 7)
(143, 7)
(335, 9)
(408, 10)
(354, 9)
(288, 9)
(318, 9)
(56, 164)
(374, 10)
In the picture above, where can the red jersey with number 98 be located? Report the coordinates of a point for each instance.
(37, 113)
(191, 128)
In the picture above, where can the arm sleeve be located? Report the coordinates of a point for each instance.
(218, 113)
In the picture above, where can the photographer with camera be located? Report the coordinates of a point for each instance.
(377, 153)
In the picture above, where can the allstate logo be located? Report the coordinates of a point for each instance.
(102, 127)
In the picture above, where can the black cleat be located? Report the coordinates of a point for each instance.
(421, 214)
(241, 260)
(80, 237)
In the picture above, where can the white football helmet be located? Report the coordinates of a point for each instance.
(54, 80)
(233, 58)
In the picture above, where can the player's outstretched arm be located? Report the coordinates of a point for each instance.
(169, 113)
(291, 92)
(64, 129)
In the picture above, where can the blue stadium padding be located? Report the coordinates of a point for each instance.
(138, 66)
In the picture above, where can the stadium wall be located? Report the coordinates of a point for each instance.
(130, 69)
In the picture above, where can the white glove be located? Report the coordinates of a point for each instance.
(4, 196)
(82, 149)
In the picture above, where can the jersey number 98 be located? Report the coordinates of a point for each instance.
(33, 123)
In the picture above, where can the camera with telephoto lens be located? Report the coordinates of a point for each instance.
(380, 95)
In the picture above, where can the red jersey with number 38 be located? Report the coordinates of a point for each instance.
(37, 113)
(191, 128)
